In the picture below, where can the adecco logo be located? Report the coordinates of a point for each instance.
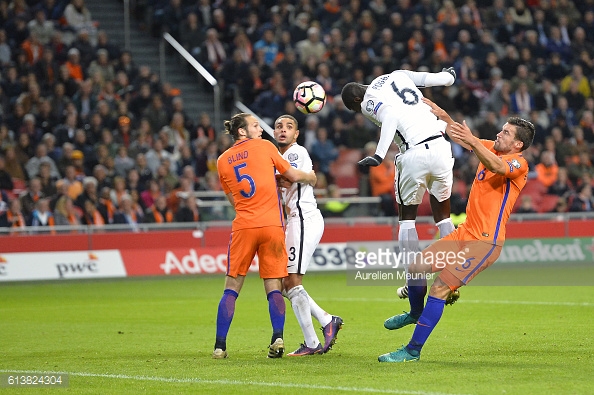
(194, 264)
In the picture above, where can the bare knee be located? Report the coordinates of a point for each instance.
(439, 289)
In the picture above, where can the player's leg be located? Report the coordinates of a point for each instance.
(225, 314)
(478, 256)
(299, 299)
(272, 262)
(425, 324)
(441, 215)
(240, 249)
(410, 185)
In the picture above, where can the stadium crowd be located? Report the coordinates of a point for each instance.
(89, 137)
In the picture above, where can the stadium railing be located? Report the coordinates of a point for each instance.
(556, 219)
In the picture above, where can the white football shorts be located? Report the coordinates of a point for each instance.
(424, 167)
(302, 239)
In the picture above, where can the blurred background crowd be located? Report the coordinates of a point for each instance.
(89, 137)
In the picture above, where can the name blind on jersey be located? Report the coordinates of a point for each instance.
(237, 157)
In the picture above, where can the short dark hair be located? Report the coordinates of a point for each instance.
(351, 91)
(524, 131)
(237, 122)
(288, 116)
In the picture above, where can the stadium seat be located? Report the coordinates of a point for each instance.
(547, 203)
(344, 168)
(19, 186)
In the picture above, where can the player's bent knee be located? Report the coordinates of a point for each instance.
(439, 289)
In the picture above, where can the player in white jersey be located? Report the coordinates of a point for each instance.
(305, 226)
(393, 102)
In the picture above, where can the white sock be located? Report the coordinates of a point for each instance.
(408, 241)
(318, 313)
(300, 302)
(445, 226)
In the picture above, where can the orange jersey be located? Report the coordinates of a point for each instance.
(247, 170)
(492, 197)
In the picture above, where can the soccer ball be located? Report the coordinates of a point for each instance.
(309, 97)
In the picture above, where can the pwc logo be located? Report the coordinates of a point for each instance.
(88, 266)
(3, 262)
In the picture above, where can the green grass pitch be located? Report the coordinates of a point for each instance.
(155, 335)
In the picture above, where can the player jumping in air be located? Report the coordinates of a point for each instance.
(393, 102)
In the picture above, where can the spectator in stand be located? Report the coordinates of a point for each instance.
(73, 65)
(123, 163)
(75, 187)
(5, 179)
(32, 166)
(78, 16)
(127, 214)
(312, 46)
(14, 217)
(547, 171)
(582, 201)
(561, 187)
(176, 132)
(381, 179)
(91, 215)
(323, 152)
(159, 212)
(156, 114)
(48, 183)
(580, 167)
(13, 165)
(42, 217)
(522, 102)
(526, 205)
(30, 198)
(65, 214)
(213, 52)
(188, 209)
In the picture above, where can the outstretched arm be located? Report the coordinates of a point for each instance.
(444, 116)
(295, 175)
(491, 161)
(445, 77)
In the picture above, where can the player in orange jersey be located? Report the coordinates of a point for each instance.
(477, 243)
(247, 175)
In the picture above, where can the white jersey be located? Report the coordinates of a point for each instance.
(299, 198)
(393, 102)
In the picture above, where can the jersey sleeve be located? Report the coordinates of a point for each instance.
(388, 131)
(516, 165)
(280, 163)
(423, 79)
(221, 178)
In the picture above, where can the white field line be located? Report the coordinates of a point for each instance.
(231, 382)
(461, 301)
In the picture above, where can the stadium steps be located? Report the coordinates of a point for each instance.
(145, 51)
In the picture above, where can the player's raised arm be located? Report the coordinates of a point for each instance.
(491, 161)
(445, 77)
(444, 116)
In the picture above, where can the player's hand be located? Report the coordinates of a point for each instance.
(283, 182)
(461, 131)
(450, 70)
(437, 111)
(374, 161)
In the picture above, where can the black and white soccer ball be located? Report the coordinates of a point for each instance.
(309, 97)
